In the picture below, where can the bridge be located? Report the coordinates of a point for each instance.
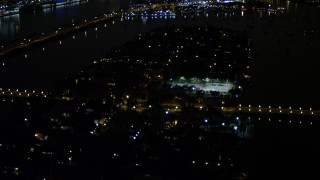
(60, 31)
(21, 93)
(269, 110)
(173, 107)
(16, 93)
(6, 49)
(73, 27)
(68, 29)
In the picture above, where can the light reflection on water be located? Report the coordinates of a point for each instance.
(278, 141)
(35, 22)
(278, 39)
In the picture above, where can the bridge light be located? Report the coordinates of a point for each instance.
(239, 105)
(249, 105)
(310, 122)
(279, 107)
(290, 107)
(301, 112)
(269, 106)
(310, 109)
(290, 111)
(300, 108)
(280, 111)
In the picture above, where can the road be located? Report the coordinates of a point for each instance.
(65, 30)
(270, 110)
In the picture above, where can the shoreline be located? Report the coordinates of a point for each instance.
(20, 9)
(59, 32)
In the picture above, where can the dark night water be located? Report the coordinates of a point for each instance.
(18, 26)
(284, 71)
(283, 147)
